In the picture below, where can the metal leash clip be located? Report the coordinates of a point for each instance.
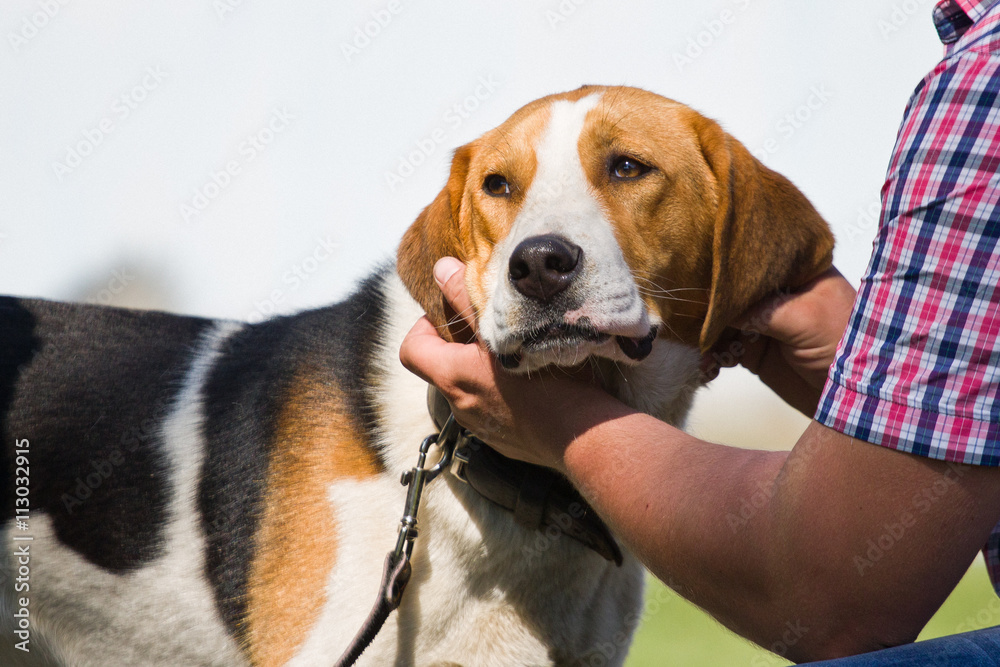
(396, 570)
(418, 477)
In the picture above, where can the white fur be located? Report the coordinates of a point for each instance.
(163, 613)
(560, 201)
(663, 385)
(481, 586)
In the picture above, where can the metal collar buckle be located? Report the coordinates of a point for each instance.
(462, 457)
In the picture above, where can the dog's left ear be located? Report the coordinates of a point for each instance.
(767, 236)
(435, 234)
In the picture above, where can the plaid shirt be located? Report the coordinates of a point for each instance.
(918, 369)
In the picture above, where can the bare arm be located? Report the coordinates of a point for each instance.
(845, 545)
(853, 544)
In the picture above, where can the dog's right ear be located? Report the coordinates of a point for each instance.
(436, 233)
(767, 236)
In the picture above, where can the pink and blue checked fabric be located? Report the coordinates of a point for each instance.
(918, 369)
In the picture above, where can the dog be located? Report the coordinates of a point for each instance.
(203, 492)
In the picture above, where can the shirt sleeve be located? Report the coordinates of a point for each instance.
(919, 365)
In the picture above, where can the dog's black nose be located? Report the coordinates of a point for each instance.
(543, 266)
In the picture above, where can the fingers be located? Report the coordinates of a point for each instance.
(786, 317)
(449, 274)
(424, 352)
(444, 364)
(807, 323)
(422, 349)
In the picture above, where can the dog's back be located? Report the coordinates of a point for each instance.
(94, 488)
(137, 459)
(86, 387)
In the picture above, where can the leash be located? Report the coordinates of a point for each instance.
(538, 497)
(397, 570)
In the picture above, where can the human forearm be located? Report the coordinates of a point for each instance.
(779, 546)
(676, 501)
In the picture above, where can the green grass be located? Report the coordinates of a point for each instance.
(675, 632)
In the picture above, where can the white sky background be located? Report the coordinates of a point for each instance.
(342, 121)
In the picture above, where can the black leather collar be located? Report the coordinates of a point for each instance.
(540, 498)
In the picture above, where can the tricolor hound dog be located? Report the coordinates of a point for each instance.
(217, 493)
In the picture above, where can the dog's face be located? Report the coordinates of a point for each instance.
(594, 221)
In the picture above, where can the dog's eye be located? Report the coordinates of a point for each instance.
(496, 185)
(626, 167)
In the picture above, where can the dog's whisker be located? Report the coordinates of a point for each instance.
(671, 330)
(677, 299)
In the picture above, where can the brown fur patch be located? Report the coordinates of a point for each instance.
(465, 222)
(317, 443)
(709, 231)
(767, 236)
(663, 220)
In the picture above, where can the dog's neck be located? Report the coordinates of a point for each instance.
(663, 385)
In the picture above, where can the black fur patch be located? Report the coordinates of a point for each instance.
(243, 396)
(88, 387)
(241, 399)
(347, 336)
(18, 345)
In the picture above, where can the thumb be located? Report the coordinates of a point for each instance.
(449, 274)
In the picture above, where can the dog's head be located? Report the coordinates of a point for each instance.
(593, 221)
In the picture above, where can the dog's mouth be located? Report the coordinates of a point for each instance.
(561, 337)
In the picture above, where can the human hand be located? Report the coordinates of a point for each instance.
(484, 397)
(789, 340)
